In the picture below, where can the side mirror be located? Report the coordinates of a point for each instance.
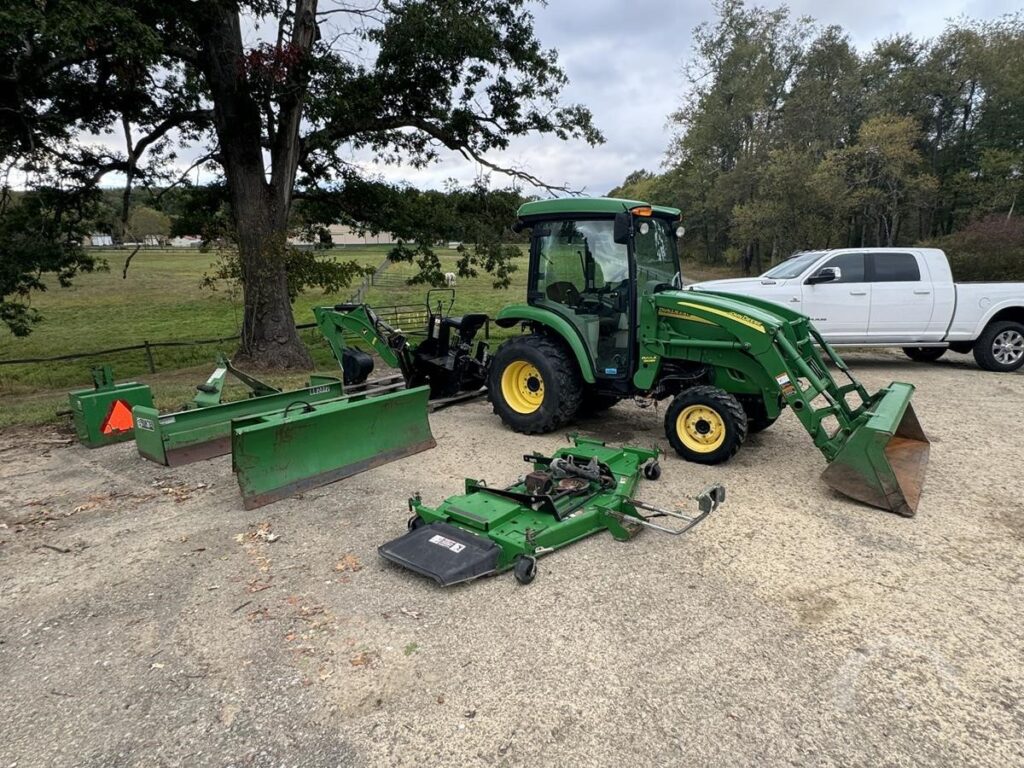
(825, 275)
(623, 225)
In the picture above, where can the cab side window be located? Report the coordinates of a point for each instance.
(851, 265)
(894, 268)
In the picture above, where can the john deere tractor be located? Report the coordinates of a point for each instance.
(606, 318)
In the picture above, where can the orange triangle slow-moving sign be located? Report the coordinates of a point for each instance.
(119, 418)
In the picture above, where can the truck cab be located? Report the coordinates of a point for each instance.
(885, 295)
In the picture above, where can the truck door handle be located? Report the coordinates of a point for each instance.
(922, 293)
(858, 293)
(794, 299)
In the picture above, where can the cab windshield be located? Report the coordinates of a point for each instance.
(653, 243)
(793, 267)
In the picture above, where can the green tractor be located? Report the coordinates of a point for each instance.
(606, 319)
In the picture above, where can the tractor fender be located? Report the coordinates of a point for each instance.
(519, 313)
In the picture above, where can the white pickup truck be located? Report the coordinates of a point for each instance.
(895, 297)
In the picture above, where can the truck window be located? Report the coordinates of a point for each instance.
(851, 265)
(894, 268)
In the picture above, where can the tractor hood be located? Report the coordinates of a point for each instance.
(740, 284)
(734, 308)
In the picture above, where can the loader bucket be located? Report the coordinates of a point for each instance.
(883, 461)
(277, 455)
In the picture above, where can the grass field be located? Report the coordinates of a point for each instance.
(161, 300)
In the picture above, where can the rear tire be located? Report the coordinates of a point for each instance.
(534, 384)
(924, 354)
(1000, 347)
(705, 425)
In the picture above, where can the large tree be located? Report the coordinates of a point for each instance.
(281, 95)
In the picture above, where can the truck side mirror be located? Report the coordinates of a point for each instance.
(825, 275)
(623, 224)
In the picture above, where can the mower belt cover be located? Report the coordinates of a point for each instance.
(103, 414)
(884, 460)
(196, 434)
(308, 445)
(579, 491)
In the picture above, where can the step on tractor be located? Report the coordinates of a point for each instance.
(606, 318)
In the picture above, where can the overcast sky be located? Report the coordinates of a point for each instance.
(624, 61)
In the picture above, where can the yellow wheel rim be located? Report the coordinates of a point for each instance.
(522, 386)
(700, 428)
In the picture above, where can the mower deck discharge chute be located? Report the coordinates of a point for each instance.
(579, 491)
(308, 444)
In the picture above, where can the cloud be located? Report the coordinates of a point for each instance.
(625, 62)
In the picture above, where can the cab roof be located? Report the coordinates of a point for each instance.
(587, 206)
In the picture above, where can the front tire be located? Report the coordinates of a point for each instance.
(534, 384)
(924, 354)
(705, 425)
(1000, 347)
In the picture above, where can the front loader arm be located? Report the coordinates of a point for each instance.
(876, 449)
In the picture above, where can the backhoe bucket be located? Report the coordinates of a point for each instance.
(883, 461)
(280, 454)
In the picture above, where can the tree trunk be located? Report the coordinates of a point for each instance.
(259, 207)
(269, 338)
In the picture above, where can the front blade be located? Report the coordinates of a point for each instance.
(884, 461)
(278, 455)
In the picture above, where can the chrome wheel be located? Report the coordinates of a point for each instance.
(1008, 347)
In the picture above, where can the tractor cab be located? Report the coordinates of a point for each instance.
(589, 264)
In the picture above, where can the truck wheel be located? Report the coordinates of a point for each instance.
(706, 425)
(924, 354)
(1000, 346)
(534, 384)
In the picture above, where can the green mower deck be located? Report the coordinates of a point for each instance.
(580, 490)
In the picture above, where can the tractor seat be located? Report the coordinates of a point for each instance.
(466, 325)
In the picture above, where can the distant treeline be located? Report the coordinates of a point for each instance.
(788, 138)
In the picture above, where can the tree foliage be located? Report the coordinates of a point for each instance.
(789, 138)
(278, 94)
(40, 239)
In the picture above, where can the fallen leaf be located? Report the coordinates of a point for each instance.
(363, 659)
(348, 563)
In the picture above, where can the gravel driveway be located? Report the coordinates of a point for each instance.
(146, 619)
